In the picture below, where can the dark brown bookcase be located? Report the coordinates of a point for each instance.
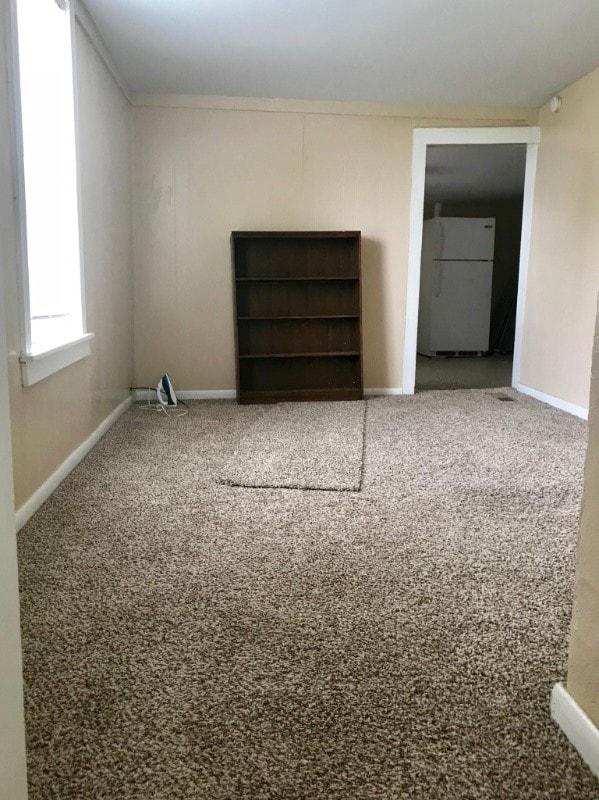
(297, 315)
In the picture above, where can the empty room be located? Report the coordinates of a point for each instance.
(299, 363)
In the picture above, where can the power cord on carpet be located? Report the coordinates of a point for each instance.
(149, 406)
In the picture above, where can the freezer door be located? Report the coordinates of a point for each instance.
(461, 238)
(461, 306)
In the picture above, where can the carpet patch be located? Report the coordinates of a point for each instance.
(301, 446)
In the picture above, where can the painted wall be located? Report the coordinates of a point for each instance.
(13, 777)
(53, 417)
(583, 660)
(564, 259)
(206, 166)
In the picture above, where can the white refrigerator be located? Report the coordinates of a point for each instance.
(456, 278)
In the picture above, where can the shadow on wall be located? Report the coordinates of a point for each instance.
(374, 318)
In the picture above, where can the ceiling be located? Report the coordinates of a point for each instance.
(474, 172)
(514, 52)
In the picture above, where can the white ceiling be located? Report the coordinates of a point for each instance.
(474, 172)
(516, 52)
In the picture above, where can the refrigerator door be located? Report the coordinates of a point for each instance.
(460, 310)
(462, 238)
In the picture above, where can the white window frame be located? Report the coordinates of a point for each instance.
(40, 364)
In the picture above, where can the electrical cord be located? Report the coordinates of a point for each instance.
(149, 406)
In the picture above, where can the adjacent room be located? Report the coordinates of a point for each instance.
(300, 369)
(470, 266)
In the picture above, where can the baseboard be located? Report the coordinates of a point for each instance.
(38, 498)
(578, 727)
(207, 394)
(556, 402)
(388, 390)
(231, 394)
(193, 394)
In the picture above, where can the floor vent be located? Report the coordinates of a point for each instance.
(504, 397)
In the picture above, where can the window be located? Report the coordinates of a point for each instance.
(52, 291)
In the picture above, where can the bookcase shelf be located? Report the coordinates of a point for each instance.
(310, 316)
(300, 355)
(285, 280)
(297, 315)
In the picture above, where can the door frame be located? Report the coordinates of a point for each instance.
(12, 735)
(423, 137)
(12, 730)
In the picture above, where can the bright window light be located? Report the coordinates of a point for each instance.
(52, 281)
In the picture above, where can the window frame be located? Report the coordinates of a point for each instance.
(39, 364)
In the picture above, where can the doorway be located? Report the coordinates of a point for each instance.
(454, 155)
(472, 221)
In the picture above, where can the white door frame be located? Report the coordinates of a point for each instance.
(12, 731)
(12, 727)
(423, 137)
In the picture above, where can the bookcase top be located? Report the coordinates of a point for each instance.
(296, 234)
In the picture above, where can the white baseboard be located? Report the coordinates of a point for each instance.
(231, 394)
(192, 394)
(577, 726)
(389, 390)
(556, 402)
(207, 394)
(39, 497)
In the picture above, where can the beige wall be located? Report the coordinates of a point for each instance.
(234, 164)
(53, 417)
(564, 259)
(583, 661)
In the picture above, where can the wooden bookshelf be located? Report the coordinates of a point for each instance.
(297, 315)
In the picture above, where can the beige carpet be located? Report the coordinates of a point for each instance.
(186, 640)
(301, 446)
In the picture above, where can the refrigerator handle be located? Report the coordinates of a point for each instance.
(438, 278)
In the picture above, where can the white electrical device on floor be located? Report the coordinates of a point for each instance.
(166, 392)
(166, 398)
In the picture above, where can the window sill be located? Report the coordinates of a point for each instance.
(35, 366)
